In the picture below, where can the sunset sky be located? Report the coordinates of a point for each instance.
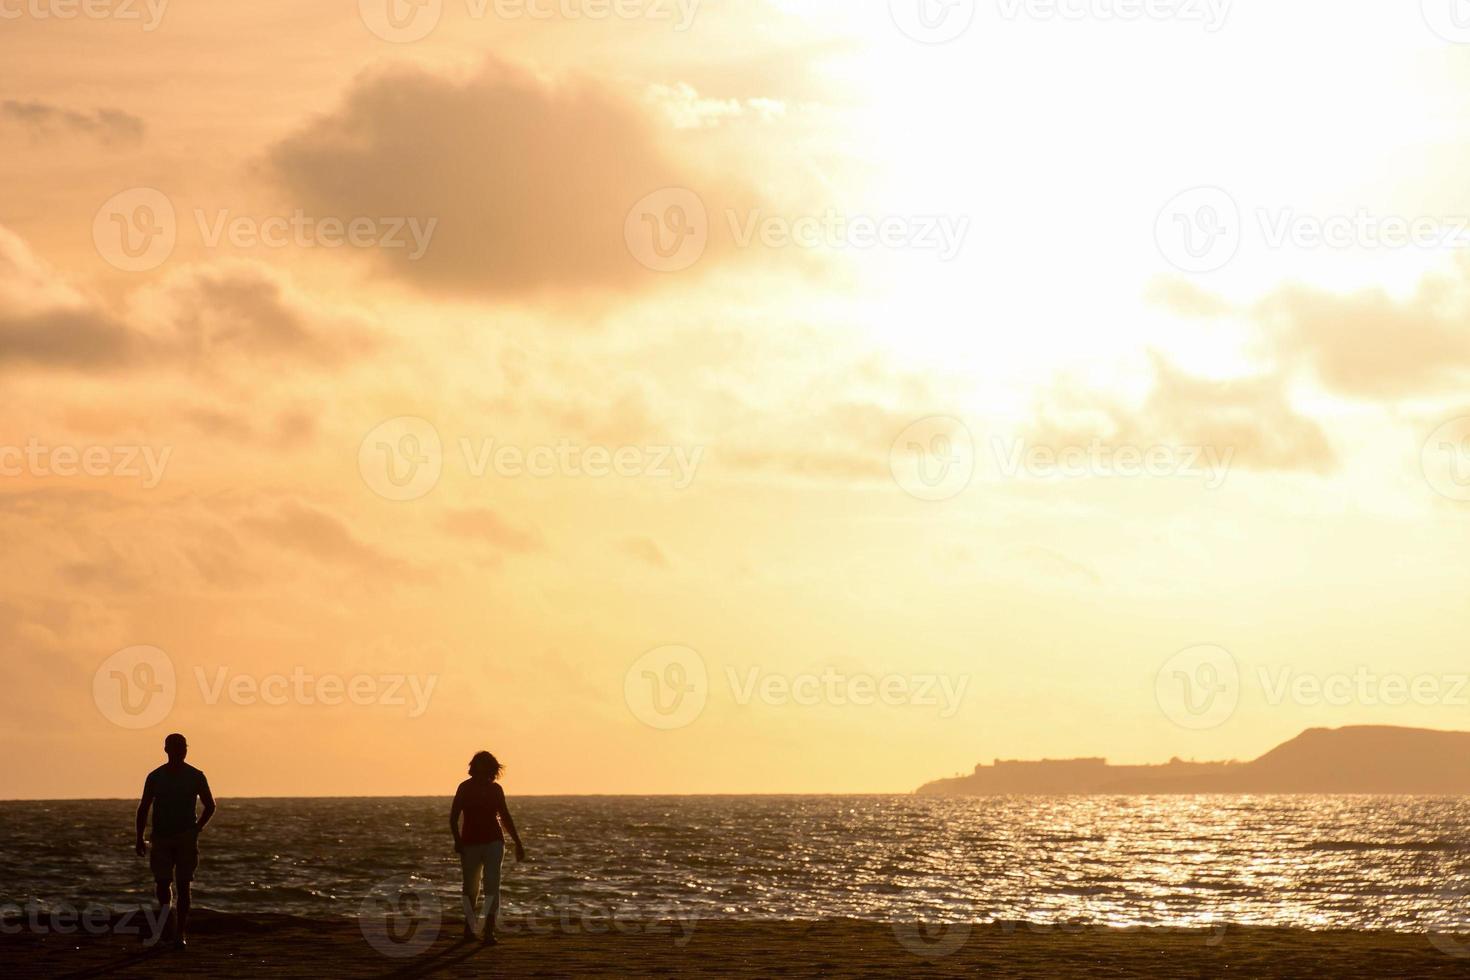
(750, 328)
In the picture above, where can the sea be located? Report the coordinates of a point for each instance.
(1314, 862)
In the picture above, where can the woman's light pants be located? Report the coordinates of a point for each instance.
(481, 861)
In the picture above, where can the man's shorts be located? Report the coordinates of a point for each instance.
(174, 857)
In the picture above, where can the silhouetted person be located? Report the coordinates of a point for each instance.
(481, 844)
(171, 791)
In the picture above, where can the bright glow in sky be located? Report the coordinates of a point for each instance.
(1097, 238)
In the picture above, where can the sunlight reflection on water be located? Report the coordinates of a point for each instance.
(1315, 862)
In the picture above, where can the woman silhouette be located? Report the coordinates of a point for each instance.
(481, 844)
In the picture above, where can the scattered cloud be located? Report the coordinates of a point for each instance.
(1368, 344)
(685, 108)
(243, 308)
(324, 536)
(1249, 418)
(646, 550)
(197, 314)
(1185, 298)
(109, 126)
(484, 525)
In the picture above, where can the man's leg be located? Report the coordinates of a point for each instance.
(161, 862)
(188, 860)
(181, 914)
(161, 891)
(469, 863)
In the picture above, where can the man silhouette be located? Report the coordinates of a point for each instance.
(171, 791)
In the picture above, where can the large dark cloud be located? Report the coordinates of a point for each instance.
(531, 180)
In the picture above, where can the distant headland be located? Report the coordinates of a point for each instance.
(1356, 759)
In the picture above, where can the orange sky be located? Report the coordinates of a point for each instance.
(724, 396)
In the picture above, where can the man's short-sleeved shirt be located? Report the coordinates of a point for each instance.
(175, 791)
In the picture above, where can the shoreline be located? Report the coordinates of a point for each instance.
(228, 945)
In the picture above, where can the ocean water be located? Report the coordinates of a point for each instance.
(1399, 863)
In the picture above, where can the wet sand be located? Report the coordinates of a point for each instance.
(280, 946)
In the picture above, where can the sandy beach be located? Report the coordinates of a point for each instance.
(237, 946)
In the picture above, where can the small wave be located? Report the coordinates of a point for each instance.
(1378, 845)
